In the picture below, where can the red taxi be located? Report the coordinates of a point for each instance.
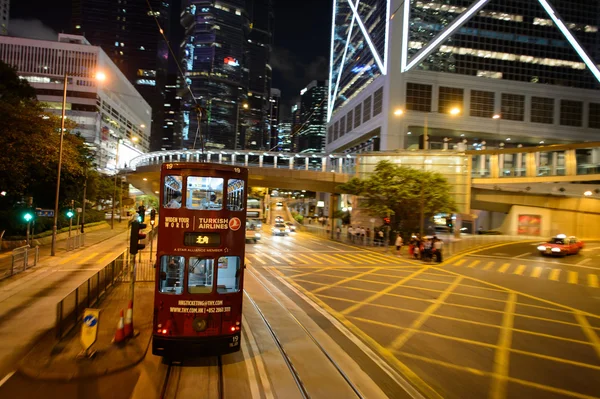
(561, 245)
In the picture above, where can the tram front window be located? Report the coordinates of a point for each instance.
(172, 192)
(171, 274)
(228, 278)
(200, 276)
(235, 195)
(204, 193)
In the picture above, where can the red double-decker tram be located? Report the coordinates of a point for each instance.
(200, 259)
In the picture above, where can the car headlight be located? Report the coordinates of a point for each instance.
(276, 230)
(541, 248)
(257, 235)
(287, 230)
(555, 249)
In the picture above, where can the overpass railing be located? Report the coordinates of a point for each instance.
(582, 159)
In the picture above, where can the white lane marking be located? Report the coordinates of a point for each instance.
(590, 249)
(258, 360)
(584, 261)
(525, 254)
(7, 377)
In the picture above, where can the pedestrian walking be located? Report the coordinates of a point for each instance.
(338, 233)
(399, 243)
(368, 236)
(380, 236)
(363, 232)
(350, 233)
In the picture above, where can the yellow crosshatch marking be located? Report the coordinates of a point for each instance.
(572, 277)
(460, 262)
(345, 280)
(554, 274)
(593, 280)
(489, 265)
(474, 263)
(461, 293)
(504, 268)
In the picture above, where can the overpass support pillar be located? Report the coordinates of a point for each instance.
(306, 163)
(501, 164)
(324, 164)
(554, 163)
(340, 165)
(233, 159)
(570, 163)
(220, 158)
(246, 160)
(260, 161)
(170, 157)
(291, 162)
(530, 164)
(494, 169)
(275, 161)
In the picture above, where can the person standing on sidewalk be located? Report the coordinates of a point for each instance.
(368, 236)
(437, 246)
(381, 237)
(350, 233)
(362, 235)
(399, 244)
(338, 233)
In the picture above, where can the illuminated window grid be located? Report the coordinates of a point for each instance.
(336, 133)
(482, 103)
(367, 109)
(349, 121)
(513, 107)
(594, 116)
(378, 101)
(418, 97)
(542, 110)
(450, 97)
(571, 113)
(357, 115)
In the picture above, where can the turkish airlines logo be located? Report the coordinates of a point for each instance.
(235, 224)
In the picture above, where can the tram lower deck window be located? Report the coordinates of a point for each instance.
(171, 274)
(200, 275)
(228, 274)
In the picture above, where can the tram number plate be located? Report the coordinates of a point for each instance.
(235, 341)
(202, 239)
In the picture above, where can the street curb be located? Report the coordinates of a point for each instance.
(37, 374)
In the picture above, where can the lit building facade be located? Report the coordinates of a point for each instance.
(284, 136)
(4, 16)
(414, 74)
(274, 116)
(111, 115)
(311, 133)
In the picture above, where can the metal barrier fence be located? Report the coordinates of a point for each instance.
(144, 271)
(75, 242)
(21, 259)
(70, 309)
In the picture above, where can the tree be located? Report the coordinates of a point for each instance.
(399, 191)
(12, 89)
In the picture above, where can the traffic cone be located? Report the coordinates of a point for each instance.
(120, 333)
(129, 320)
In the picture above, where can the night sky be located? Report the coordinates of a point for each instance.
(301, 37)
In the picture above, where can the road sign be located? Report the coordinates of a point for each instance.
(79, 210)
(89, 327)
(45, 212)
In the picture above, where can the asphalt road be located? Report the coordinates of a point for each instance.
(495, 323)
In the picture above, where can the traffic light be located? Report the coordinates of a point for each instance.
(28, 216)
(142, 213)
(135, 237)
(152, 217)
(386, 221)
(70, 213)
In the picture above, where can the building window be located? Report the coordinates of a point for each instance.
(449, 98)
(336, 130)
(594, 116)
(378, 101)
(513, 107)
(542, 110)
(330, 134)
(482, 103)
(342, 126)
(349, 121)
(357, 112)
(367, 109)
(418, 97)
(571, 113)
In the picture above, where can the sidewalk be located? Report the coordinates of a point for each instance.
(56, 360)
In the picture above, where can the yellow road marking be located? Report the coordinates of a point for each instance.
(247, 261)
(386, 354)
(259, 259)
(460, 262)
(474, 263)
(87, 258)
(298, 259)
(489, 265)
(502, 354)
(357, 258)
(554, 274)
(593, 280)
(318, 262)
(589, 331)
(520, 270)
(418, 323)
(537, 272)
(556, 359)
(573, 277)
(382, 292)
(106, 257)
(504, 268)
(309, 273)
(346, 280)
(332, 259)
(270, 258)
(68, 259)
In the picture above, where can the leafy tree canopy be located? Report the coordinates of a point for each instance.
(12, 89)
(399, 191)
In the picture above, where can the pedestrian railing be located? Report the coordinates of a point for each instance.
(144, 271)
(21, 259)
(77, 241)
(70, 309)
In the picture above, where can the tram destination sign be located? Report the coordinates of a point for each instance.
(202, 239)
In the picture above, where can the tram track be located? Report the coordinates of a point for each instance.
(181, 379)
(302, 386)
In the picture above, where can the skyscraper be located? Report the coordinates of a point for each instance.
(313, 117)
(411, 73)
(274, 116)
(214, 65)
(4, 14)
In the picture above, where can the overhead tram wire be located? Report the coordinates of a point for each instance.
(197, 106)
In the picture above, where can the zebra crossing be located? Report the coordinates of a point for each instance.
(340, 258)
(587, 278)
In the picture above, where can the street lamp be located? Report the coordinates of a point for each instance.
(100, 76)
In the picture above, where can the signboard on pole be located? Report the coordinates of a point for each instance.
(89, 327)
(45, 212)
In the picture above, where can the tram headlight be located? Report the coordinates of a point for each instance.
(232, 328)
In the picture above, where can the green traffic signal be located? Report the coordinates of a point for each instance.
(70, 214)
(28, 216)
